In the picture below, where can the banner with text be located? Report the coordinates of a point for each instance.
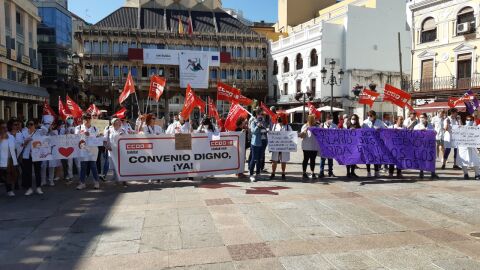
(139, 157)
(171, 57)
(282, 141)
(194, 69)
(407, 149)
(56, 147)
(465, 136)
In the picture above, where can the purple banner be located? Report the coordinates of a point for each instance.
(407, 149)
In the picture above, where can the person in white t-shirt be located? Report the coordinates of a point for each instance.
(88, 154)
(148, 126)
(468, 156)
(424, 125)
(280, 157)
(437, 123)
(8, 159)
(373, 123)
(448, 123)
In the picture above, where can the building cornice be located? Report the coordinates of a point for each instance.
(426, 4)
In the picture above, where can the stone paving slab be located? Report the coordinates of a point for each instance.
(334, 223)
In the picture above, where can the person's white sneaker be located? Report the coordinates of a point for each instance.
(369, 174)
(252, 178)
(81, 186)
(29, 192)
(10, 194)
(96, 185)
(39, 191)
(51, 183)
(56, 178)
(377, 174)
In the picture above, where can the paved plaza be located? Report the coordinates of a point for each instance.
(224, 223)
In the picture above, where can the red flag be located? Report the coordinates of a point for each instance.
(312, 110)
(267, 110)
(212, 110)
(128, 89)
(190, 27)
(396, 96)
(63, 110)
(227, 93)
(47, 110)
(74, 108)
(191, 101)
(453, 102)
(368, 97)
(121, 114)
(93, 110)
(244, 100)
(157, 85)
(236, 111)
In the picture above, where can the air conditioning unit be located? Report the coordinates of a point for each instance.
(463, 28)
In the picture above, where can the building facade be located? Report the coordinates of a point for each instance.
(112, 46)
(360, 35)
(445, 49)
(20, 91)
(55, 46)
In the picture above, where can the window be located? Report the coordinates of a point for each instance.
(429, 30)
(115, 47)
(464, 70)
(11, 74)
(299, 86)
(286, 65)
(213, 74)
(231, 75)
(264, 75)
(105, 70)
(313, 86)
(134, 71)
(144, 72)
(239, 74)
(96, 71)
(264, 53)
(466, 18)
(248, 74)
(153, 71)
(275, 90)
(254, 53)
(313, 58)
(285, 88)
(116, 71)
(133, 45)
(88, 46)
(7, 15)
(124, 71)
(275, 68)
(124, 48)
(248, 52)
(172, 73)
(96, 47)
(161, 72)
(299, 62)
(239, 52)
(105, 47)
(224, 74)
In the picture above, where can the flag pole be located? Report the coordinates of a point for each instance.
(138, 104)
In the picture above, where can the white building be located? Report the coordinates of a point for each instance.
(360, 35)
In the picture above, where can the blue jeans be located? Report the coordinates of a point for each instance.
(256, 159)
(262, 155)
(106, 163)
(322, 165)
(84, 165)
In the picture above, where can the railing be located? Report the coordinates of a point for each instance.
(448, 83)
(298, 37)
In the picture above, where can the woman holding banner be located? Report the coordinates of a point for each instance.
(424, 125)
(68, 128)
(29, 134)
(280, 157)
(88, 153)
(110, 135)
(309, 147)
(468, 156)
(328, 125)
(373, 123)
(391, 169)
(149, 127)
(353, 123)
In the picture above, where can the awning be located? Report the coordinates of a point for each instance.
(436, 106)
(21, 88)
(322, 109)
(327, 109)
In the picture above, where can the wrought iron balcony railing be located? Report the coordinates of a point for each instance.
(448, 83)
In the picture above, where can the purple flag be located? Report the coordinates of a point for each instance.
(406, 149)
(471, 102)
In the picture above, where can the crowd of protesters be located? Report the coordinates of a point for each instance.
(18, 170)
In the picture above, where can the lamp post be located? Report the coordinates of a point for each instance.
(298, 97)
(332, 81)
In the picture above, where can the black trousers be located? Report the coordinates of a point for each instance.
(3, 179)
(376, 167)
(27, 180)
(309, 156)
(351, 169)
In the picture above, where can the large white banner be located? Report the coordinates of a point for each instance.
(194, 69)
(140, 157)
(57, 147)
(465, 136)
(282, 141)
(172, 57)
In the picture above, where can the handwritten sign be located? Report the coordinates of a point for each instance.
(465, 136)
(282, 141)
(56, 147)
(94, 141)
(183, 141)
(100, 124)
(407, 149)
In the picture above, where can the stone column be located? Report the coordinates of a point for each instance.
(2, 109)
(25, 31)
(35, 110)
(25, 111)
(13, 109)
(13, 23)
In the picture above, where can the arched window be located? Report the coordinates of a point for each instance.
(299, 62)
(429, 30)
(465, 21)
(286, 65)
(275, 67)
(313, 58)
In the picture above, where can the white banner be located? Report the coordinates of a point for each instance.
(282, 141)
(56, 147)
(465, 136)
(171, 57)
(194, 69)
(139, 157)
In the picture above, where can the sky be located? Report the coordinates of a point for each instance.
(255, 10)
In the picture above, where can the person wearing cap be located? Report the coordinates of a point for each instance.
(88, 154)
(49, 128)
(448, 123)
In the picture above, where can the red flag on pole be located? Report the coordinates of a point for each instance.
(191, 101)
(128, 89)
(396, 96)
(157, 85)
(236, 111)
(212, 110)
(199, 103)
(190, 27)
(244, 100)
(63, 110)
(368, 97)
(453, 102)
(312, 110)
(227, 93)
(74, 108)
(121, 114)
(93, 110)
(47, 110)
(267, 110)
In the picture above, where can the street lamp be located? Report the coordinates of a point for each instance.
(298, 97)
(332, 81)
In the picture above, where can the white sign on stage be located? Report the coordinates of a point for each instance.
(56, 147)
(171, 57)
(282, 141)
(140, 157)
(465, 136)
(194, 69)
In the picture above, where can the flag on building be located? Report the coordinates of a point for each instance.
(180, 26)
(190, 27)
(368, 97)
(396, 96)
(236, 111)
(74, 108)
(157, 86)
(121, 114)
(128, 89)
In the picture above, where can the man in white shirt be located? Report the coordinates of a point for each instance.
(448, 123)
(373, 123)
(437, 123)
(411, 121)
(180, 126)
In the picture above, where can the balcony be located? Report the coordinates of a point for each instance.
(443, 86)
(304, 35)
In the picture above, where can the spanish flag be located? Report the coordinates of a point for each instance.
(180, 26)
